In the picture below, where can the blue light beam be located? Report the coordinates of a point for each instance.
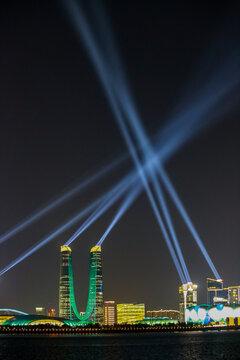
(55, 203)
(65, 226)
(50, 237)
(176, 199)
(221, 84)
(173, 127)
(107, 202)
(133, 117)
(123, 94)
(98, 63)
(128, 201)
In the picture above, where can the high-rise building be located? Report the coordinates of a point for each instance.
(67, 305)
(95, 307)
(234, 295)
(110, 313)
(217, 294)
(130, 313)
(171, 314)
(65, 309)
(214, 291)
(187, 297)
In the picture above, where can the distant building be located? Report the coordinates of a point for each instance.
(130, 313)
(65, 308)
(215, 292)
(220, 314)
(110, 313)
(222, 297)
(234, 295)
(51, 312)
(40, 310)
(187, 297)
(171, 314)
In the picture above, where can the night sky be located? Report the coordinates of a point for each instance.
(57, 127)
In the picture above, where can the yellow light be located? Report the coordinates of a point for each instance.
(5, 318)
(95, 248)
(65, 248)
(47, 322)
(130, 313)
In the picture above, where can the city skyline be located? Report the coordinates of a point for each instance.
(50, 148)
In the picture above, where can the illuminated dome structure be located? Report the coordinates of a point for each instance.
(205, 314)
(6, 314)
(26, 320)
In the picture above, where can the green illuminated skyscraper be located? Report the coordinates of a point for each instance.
(65, 309)
(67, 305)
(95, 297)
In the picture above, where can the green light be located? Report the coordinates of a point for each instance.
(94, 309)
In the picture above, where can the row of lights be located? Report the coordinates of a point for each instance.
(94, 330)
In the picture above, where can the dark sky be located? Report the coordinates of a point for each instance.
(57, 126)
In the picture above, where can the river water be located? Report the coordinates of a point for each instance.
(175, 346)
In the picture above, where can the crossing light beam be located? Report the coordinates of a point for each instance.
(61, 199)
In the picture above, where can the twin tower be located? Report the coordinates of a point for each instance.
(67, 305)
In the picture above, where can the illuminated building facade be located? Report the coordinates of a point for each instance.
(51, 312)
(187, 297)
(5, 318)
(157, 321)
(28, 320)
(110, 313)
(130, 313)
(65, 309)
(215, 292)
(67, 305)
(234, 295)
(7, 314)
(95, 307)
(219, 314)
(171, 314)
(40, 310)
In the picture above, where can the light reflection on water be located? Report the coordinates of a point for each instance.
(178, 346)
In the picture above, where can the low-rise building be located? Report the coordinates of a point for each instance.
(130, 313)
(216, 314)
(171, 314)
(234, 295)
(110, 313)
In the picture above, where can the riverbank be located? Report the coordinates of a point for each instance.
(45, 330)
